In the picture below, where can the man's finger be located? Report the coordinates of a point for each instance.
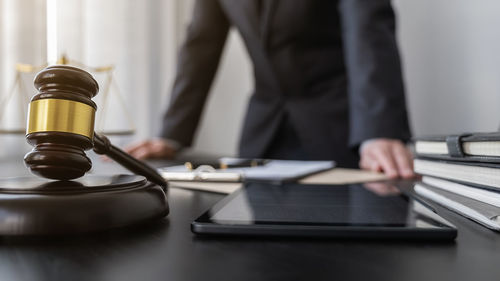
(134, 147)
(384, 157)
(369, 163)
(141, 153)
(403, 160)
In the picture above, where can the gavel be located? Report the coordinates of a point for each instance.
(61, 127)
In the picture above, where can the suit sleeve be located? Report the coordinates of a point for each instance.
(377, 106)
(197, 64)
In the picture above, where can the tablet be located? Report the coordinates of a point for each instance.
(371, 210)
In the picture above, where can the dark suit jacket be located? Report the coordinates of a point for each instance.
(330, 67)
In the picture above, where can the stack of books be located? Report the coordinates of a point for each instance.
(462, 173)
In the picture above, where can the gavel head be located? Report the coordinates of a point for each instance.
(61, 123)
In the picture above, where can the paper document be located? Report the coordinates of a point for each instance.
(209, 174)
(343, 176)
(272, 170)
(477, 211)
(283, 170)
(217, 187)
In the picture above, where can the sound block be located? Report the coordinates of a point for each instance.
(35, 206)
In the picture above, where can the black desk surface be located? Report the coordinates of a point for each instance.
(167, 250)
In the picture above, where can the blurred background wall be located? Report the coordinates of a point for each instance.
(451, 64)
(449, 52)
(22, 39)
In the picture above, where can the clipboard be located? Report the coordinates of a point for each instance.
(268, 171)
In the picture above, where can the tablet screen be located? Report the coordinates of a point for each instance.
(359, 205)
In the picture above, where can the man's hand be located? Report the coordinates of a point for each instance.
(153, 148)
(387, 155)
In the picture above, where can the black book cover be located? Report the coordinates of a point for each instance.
(488, 147)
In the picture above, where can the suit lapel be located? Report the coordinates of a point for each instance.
(249, 7)
(258, 23)
(269, 6)
(255, 29)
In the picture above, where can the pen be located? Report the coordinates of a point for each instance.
(227, 163)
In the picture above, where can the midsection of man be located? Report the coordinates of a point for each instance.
(300, 79)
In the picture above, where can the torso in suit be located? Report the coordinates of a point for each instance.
(326, 73)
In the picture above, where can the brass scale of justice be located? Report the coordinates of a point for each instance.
(62, 200)
(24, 97)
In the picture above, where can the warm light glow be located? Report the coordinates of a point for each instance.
(51, 31)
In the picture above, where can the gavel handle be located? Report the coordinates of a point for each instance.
(102, 145)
